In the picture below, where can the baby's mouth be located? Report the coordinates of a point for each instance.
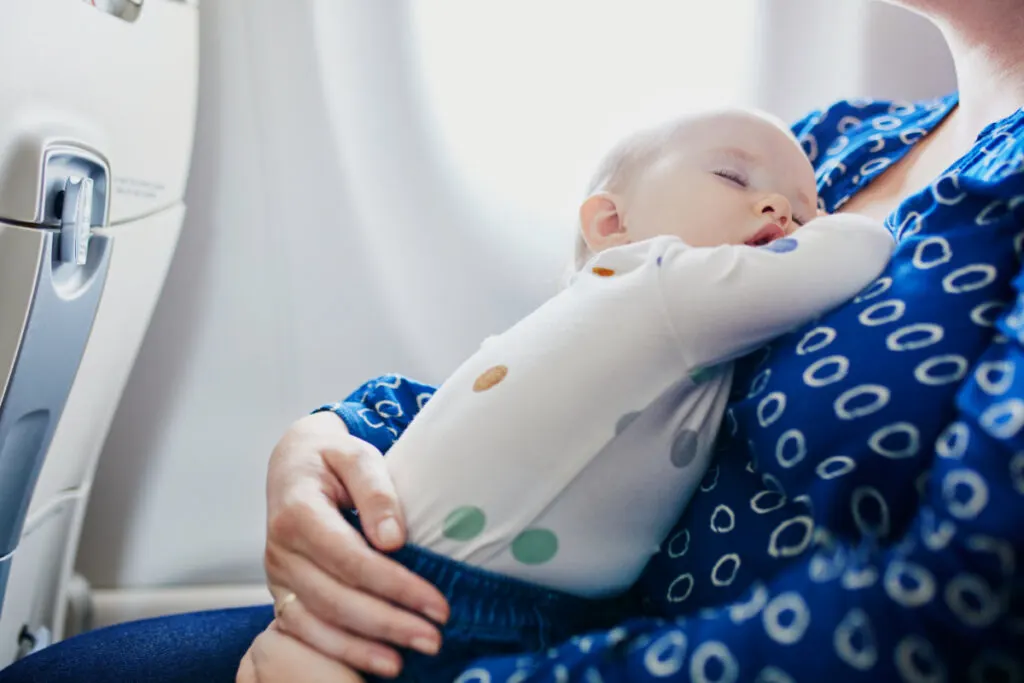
(769, 233)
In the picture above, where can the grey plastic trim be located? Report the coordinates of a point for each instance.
(64, 306)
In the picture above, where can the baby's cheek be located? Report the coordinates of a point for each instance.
(728, 217)
(720, 225)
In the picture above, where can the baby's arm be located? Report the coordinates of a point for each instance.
(726, 301)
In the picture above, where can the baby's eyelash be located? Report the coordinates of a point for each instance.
(733, 176)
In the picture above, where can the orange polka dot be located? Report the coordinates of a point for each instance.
(603, 272)
(490, 378)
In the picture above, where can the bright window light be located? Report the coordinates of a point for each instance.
(526, 95)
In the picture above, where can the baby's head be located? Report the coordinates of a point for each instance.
(733, 176)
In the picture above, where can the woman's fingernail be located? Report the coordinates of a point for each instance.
(435, 615)
(388, 532)
(427, 646)
(384, 666)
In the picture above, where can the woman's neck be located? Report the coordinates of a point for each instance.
(986, 39)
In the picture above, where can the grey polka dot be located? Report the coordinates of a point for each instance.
(702, 374)
(625, 421)
(684, 450)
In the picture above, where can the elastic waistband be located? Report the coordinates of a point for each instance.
(483, 600)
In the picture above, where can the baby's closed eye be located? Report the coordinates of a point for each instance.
(734, 176)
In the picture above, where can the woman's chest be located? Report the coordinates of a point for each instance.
(914, 170)
(833, 426)
(851, 404)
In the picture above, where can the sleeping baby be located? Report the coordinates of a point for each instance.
(541, 477)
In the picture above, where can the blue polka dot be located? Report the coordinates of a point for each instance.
(659, 260)
(781, 246)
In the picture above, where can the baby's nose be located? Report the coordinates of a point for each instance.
(777, 207)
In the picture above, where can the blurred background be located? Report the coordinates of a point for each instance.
(374, 187)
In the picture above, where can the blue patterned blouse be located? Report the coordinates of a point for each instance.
(864, 517)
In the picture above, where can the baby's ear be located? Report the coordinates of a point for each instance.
(601, 222)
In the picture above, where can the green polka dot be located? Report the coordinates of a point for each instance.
(701, 374)
(464, 523)
(535, 546)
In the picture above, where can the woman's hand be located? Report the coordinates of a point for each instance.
(351, 602)
(276, 657)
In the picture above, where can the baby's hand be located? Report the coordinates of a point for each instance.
(822, 212)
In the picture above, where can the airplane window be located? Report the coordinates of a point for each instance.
(526, 95)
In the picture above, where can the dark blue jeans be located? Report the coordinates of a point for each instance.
(205, 647)
(494, 615)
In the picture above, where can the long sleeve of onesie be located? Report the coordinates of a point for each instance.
(726, 301)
